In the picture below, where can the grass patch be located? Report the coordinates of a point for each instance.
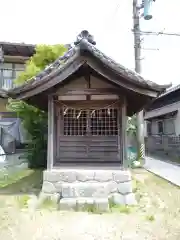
(25, 181)
(119, 208)
(87, 207)
(122, 209)
(48, 203)
(22, 201)
(150, 218)
(8, 179)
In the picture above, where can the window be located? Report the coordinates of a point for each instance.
(160, 127)
(169, 126)
(8, 73)
(90, 122)
(149, 128)
(104, 122)
(75, 122)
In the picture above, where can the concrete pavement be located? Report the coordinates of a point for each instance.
(163, 169)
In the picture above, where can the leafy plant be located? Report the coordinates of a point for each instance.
(35, 120)
(132, 125)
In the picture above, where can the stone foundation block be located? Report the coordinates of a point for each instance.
(48, 187)
(58, 176)
(84, 189)
(68, 176)
(117, 199)
(130, 199)
(101, 204)
(58, 186)
(84, 204)
(83, 176)
(112, 187)
(121, 176)
(103, 176)
(125, 187)
(67, 204)
(55, 198)
(51, 176)
(88, 188)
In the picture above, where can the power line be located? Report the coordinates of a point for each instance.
(109, 19)
(158, 33)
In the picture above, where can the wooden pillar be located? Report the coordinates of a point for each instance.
(51, 133)
(124, 134)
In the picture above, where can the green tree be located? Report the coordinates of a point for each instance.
(44, 55)
(35, 120)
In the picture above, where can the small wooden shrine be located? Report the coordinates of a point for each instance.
(88, 97)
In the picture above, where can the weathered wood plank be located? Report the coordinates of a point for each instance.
(84, 144)
(51, 133)
(88, 160)
(124, 135)
(88, 153)
(90, 147)
(88, 138)
(90, 104)
(87, 91)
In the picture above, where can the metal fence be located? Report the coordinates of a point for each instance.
(163, 146)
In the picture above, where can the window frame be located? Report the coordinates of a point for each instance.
(8, 81)
(149, 133)
(162, 122)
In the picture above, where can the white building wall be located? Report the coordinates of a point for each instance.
(171, 125)
(177, 123)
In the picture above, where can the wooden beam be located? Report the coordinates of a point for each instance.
(87, 77)
(89, 104)
(124, 134)
(119, 122)
(15, 59)
(87, 91)
(51, 133)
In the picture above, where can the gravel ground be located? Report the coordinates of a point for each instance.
(49, 225)
(79, 226)
(155, 217)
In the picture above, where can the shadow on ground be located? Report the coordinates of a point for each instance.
(26, 182)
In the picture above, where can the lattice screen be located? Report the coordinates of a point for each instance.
(90, 122)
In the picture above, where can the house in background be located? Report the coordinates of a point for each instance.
(12, 61)
(162, 124)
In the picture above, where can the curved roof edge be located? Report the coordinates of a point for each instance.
(85, 43)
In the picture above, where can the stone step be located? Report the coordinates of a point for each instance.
(84, 204)
(85, 189)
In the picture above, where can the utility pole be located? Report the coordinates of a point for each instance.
(137, 55)
(146, 5)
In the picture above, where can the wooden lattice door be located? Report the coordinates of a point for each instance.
(89, 135)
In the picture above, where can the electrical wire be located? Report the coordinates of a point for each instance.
(158, 33)
(109, 19)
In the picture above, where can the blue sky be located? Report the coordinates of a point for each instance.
(110, 21)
